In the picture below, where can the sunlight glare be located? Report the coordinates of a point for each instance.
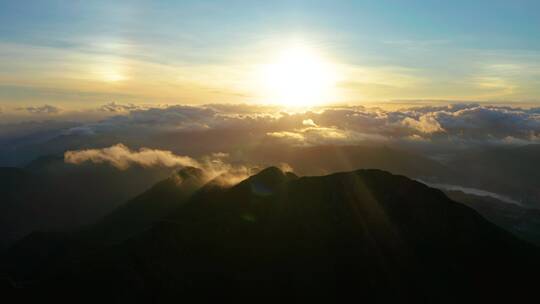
(299, 77)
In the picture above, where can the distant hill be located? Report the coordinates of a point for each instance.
(523, 222)
(320, 160)
(512, 171)
(50, 195)
(366, 235)
(508, 170)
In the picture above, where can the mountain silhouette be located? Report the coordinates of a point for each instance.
(42, 252)
(51, 195)
(521, 221)
(367, 235)
(156, 203)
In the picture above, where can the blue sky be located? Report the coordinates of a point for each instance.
(81, 53)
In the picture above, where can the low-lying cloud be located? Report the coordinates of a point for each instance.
(122, 157)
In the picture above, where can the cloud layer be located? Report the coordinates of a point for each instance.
(472, 122)
(229, 128)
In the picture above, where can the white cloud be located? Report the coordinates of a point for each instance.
(122, 157)
(313, 136)
(309, 123)
(425, 124)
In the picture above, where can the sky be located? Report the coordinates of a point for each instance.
(81, 54)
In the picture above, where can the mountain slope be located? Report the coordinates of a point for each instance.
(50, 195)
(142, 211)
(508, 170)
(41, 253)
(522, 221)
(366, 235)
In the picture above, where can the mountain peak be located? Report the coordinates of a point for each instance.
(275, 173)
(270, 172)
(190, 172)
(268, 180)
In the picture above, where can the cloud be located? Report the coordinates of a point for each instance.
(201, 130)
(314, 136)
(119, 108)
(240, 129)
(286, 134)
(122, 157)
(345, 125)
(45, 109)
(474, 191)
(489, 122)
(163, 119)
(425, 124)
(309, 123)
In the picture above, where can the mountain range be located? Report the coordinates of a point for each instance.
(366, 234)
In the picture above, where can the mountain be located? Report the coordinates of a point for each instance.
(51, 195)
(320, 160)
(508, 170)
(24, 141)
(521, 221)
(156, 203)
(511, 171)
(13, 182)
(364, 235)
(42, 252)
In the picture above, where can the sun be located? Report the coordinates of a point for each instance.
(298, 77)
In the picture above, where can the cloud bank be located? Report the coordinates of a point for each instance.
(229, 128)
(472, 122)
